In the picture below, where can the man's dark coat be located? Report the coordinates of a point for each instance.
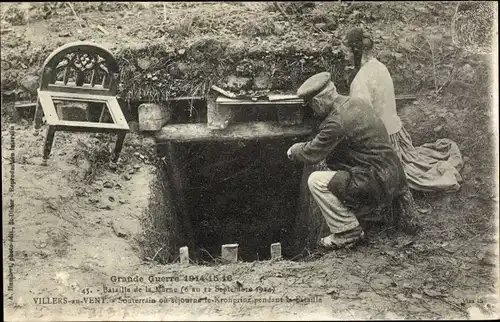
(354, 142)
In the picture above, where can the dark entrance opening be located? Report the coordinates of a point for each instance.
(244, 192)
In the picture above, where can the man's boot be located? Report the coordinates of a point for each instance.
(343, 239)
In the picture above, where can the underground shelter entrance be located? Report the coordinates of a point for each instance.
(234, 185)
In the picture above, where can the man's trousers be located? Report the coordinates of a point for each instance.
(338, 217)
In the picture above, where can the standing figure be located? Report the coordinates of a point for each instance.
(430, 167)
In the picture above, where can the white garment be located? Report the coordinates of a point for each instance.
(373, 84)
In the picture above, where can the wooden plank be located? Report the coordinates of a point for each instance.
(274, 101)
(223, 92)
(230, 101)
(78, 96)
(116, 111)
(186, 98)
(197, 132)
(282, 99)
(91, 125)
(38, 117)
(24, 105)
(48, 107)
(173, 99)
(83, 128)
(279, 97)
(84, 89)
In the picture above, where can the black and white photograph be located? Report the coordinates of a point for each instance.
(237, 160)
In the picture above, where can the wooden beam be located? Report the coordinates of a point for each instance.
(284, 100)
(24, 105)
(223, 92)
(230, 101)
(186, 98)
(116, 112)
(48, 107)
(78, 128)
(172, 99)
(85, 88)
(95, 125)
(78, 96)
(197, 132)
(279, 97)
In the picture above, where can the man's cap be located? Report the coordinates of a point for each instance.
(314, 85)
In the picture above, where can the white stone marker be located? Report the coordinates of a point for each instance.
(230, 253)
(276, 251)
(184, 255)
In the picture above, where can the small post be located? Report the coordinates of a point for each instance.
(229, 253)
(276, 251)
(38, 115)
(184, 255)
(118, 147)
(47, 146)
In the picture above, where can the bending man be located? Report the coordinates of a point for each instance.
(365, 170)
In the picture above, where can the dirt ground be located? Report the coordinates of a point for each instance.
(78, 222)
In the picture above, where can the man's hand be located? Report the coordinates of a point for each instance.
(289, 152)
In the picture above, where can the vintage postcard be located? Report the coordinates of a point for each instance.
(249, 160)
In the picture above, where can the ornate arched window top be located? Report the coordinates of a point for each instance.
(83, 65)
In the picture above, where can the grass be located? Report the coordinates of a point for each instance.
(205, 38)
(98, 155)
(264, 27)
